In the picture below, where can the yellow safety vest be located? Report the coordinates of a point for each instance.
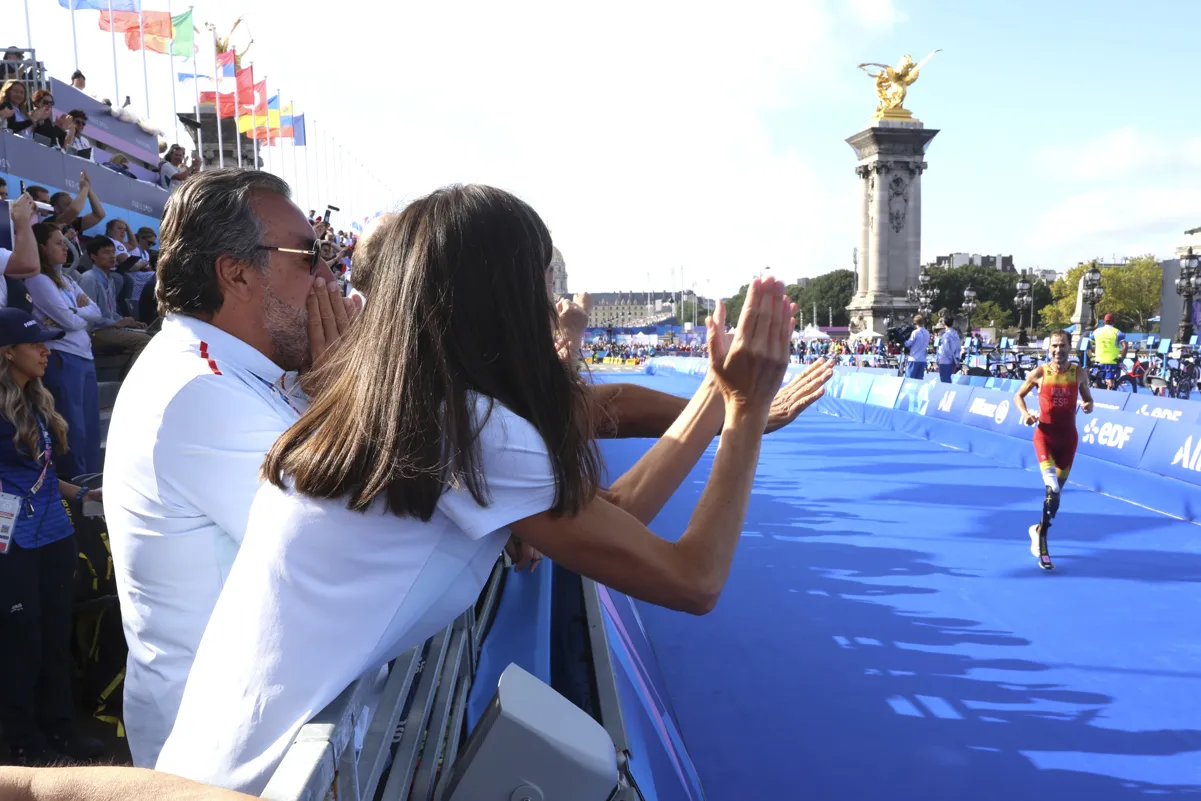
(1108, 351)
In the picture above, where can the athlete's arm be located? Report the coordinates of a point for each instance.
(1086, 394)
(1019, 400)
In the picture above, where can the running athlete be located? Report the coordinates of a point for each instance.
(1059, 385)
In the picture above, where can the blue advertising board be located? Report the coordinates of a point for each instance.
(44, 164)
(1174, 450)
(948, 401)
(1170, 409)
(912, 395)
(1118, 437)
(1110, 400)
(856, 386)
(884, 391)
(994, 410)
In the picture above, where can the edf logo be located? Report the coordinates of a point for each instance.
(946, 401)
(1111, 435)
(1161, 414)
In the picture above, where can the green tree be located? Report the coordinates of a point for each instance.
(1132, 292)
(990, 313)
(734, 305)
(833, 290)
(1058, 313)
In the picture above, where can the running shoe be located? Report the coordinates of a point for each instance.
(1034, 540)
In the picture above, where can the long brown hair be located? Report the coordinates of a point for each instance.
(18, 406)
(42, 233)
(458, 306)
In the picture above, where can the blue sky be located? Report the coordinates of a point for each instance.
(655, 136)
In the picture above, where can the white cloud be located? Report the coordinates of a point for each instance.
(1114, 155)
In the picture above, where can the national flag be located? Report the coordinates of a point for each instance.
(101, 5)
(298, 138)
(158, 26)
(245, 79)
(156, 22)
(226, 64)
(187, 76)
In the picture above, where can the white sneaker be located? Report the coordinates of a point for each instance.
(1034, 540)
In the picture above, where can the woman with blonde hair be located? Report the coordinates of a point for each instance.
(15, 113)
(37, 556)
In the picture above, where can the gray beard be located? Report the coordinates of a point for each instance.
(289, 331)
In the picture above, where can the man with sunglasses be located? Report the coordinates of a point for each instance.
(248, 307)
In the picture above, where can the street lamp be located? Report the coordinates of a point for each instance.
(923, 295)
(1093, 292)
(1024, 302)
(1187, 284)
(969, 305)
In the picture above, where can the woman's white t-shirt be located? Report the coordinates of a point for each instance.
(319, 595)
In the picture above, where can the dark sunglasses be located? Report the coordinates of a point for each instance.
(46, 101)
(315, 253)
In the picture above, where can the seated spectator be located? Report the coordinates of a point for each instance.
(60, 131)
(120, 163)
(15, 112)
(171, 171)
(114, 332)
(67, 210)
(79, 81)
(22, 261)
(117, 230)
(37, 711)
(80, 143)
(61, 303)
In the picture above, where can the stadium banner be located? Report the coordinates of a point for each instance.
(1118, 437)
(884, 391)
(1174, 450)
(1172, 410)
(126, 137)
(37, 165)
(948, 401)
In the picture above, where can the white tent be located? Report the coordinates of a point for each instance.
(813, 332)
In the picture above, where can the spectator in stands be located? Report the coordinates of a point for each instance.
(11, 66)
(15, 111)
(61, 303)
(417, 537)
(79, 81)
(114, 331)
(36, 706)
(120, 163)
(22, 261)
(80, 143)
(3, 189)
(171, 170)
(60, 131)
(67, 209)
(117, 231)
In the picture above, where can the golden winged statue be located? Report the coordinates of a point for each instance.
(223, 45)
(892, 84)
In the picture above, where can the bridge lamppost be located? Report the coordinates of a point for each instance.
(1024, 303)
(1188, 283)
(923, 295)
(1093, 292)
(969, 306)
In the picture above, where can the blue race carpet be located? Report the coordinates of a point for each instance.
(886, 634)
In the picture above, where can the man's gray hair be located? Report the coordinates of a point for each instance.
(207, 217)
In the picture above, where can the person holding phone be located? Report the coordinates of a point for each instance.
(37, 556)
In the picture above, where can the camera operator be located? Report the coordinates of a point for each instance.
(949, 348)
(917, 342)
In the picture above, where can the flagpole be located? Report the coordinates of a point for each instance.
(112, 31)
(196, 90)
(316, 161)
(237, 109)
(74, 41)
(174, 78)
(28, 28)
(295, 169)
(145, 74)
(308, 186)
(267, 133)
(217, 81)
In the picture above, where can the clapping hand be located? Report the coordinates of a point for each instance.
(799, 394)
(749, 367)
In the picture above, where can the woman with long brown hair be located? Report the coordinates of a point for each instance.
(444, 422)
(37, 556)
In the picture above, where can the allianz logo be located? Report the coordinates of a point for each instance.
(1162, 414)
(946, 401)
(997, 411)
(1189, 457)
(1111, 435)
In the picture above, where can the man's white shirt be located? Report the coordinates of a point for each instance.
(191, 426)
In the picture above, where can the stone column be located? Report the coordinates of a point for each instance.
(891, 161)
